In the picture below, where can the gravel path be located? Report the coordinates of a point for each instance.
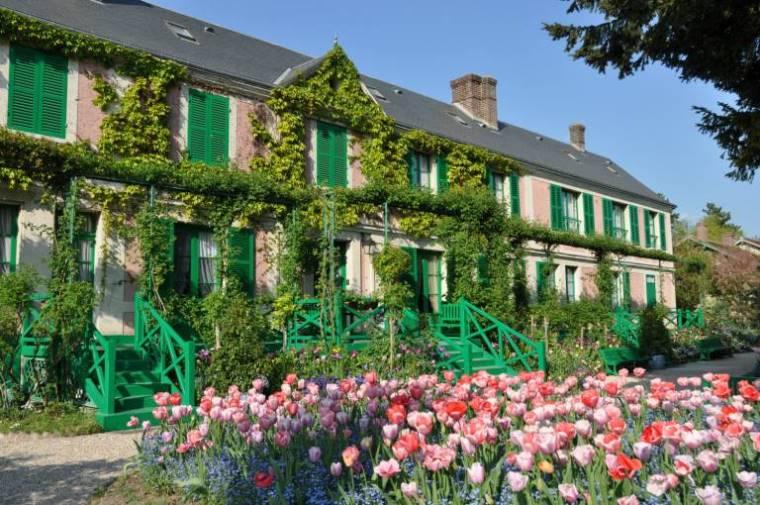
(47, 470)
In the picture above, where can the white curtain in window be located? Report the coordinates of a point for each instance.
(85, 260)
(432, 281)
(6, 229)
(498, 188)
(207, 254)
(424, 164)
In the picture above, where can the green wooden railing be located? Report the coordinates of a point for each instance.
(685, 318)
(350, 328)
(626, 326)
(174, 355)
(468, 329)
(100, 384)
(30, 346)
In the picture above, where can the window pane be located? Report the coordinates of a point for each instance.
(570, 283)
(207, 267)
(423, 161)
(498, 188)
(432, 282)
(182, 262)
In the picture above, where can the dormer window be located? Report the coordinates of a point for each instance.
(181, 32)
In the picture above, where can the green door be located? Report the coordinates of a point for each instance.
(425, 279)
(651, 290)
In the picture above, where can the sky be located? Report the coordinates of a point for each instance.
(645, 122)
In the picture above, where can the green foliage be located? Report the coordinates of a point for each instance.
(654, 336)
(718, 223)
(392, 266)
(605, 281)
(62, 419)
(693, 275)
(682, 36)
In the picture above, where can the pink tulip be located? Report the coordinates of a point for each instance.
(628, 500)
(524, 461)
(387, 469)
(476, 473)
(709, 495)
(517, 481)
(409, 489)
(569, 493)
(708, 461)
(390, 432)
(747, 480)
(684, 464)
(336, 469)
(639, 372)
(642, 450)
(657, 485)
(133, 422)
(350, 455)
(315, 454)
(583, 428)
(583, 454)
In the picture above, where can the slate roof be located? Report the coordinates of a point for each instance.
(140, 25)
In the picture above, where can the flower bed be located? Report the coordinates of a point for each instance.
(479, 439)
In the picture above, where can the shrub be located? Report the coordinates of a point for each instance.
(654, 337)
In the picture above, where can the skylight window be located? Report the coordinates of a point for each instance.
(181, 32)
(458, 119)
(378, 94)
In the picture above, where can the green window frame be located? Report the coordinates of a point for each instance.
(37, 92)
(8, 238)
(663, 234)
(420, 170)
(621, 290)
(564, 209)
(589, 221)
(242, 253)
(84, 242)
(614, 219)
(514, 194)
(195, 260)
(332, 155)
(442, 165)
(497, 185)
(425, 278)
(651, 288)
(570, 273)
(633, 214)
(208, 128)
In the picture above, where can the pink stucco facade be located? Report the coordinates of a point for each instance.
(541, 202)
(89, 116)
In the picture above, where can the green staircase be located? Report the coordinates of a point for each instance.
(470, 340)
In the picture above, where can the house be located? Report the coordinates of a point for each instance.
(564, 185)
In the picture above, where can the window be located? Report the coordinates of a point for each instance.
(332, 156)
(589, 221)
(8, 237)
(621, 290)
(420, 171)
(651, 290)
(84, 241)
(442, 167)
(614, 219)
(424, 277)
(514, 188)
(570, 284)
(37, 92)
(650, 229)
(195, 254)
(180, 31)
(208, 128)
(497, 184)
(544, 278)
(564, 208)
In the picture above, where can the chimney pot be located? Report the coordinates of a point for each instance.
(476, 95)
(701, 231)
(578, 136)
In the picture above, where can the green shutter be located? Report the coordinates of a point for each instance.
(540, 278)
(663, 235)
(37, 92)
(651, 290)
(489, 180)
(514, 193)
(339, 169)
(413, 170)
(168, 231)
(443, 173)
(608, 219)
(242, 244)
(634, 215)
(627, 290)
(208, 127)
(556, 208)
(589, 221)
(324, 154)
(647, 229)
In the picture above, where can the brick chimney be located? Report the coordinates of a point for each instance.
(578, 136)
(476, 95)
(728, 239)
(701, 232)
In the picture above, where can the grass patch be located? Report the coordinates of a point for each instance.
(132, 489)
(63, 419)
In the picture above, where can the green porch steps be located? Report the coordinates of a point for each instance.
(135, 384)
